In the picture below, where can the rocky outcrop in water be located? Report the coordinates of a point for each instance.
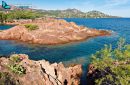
(19, 70)
(50, 31)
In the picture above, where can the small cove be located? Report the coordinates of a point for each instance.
(78, 53)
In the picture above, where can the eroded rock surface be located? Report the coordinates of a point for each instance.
(42, 72)
(51, 31)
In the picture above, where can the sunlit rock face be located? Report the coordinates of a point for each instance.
(50, 31)
(41, 72)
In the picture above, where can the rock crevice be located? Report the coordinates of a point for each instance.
(43, 73)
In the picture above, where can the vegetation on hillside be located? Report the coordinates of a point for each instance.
(3, 17)
(113, 65)
(32, 14)
(74, 13)
(23, 14)
(18, 14)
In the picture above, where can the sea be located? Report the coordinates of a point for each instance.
(76, 52)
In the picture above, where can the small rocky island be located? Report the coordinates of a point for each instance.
(49, 31)
(18, 69)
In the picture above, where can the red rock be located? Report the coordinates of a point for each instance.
(43, 73)
(51, 31)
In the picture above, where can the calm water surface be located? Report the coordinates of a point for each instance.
(78, 53)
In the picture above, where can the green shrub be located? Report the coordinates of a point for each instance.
(3, 17)
(14, 65)
(15, 58)
(117, 61)
(31, 27)
(18, 69)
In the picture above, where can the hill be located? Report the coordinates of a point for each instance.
(98, 14)
(75, 13)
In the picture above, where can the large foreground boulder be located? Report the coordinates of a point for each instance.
(22, 71)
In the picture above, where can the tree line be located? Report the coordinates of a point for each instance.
(18, 14)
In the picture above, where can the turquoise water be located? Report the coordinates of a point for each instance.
(4, 27)
(78, 52)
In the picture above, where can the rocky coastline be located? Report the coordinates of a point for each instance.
(20, 70)
(50, 32)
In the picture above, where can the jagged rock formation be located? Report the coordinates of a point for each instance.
(51, 31)
(38, 72)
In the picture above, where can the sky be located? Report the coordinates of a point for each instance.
(112, 7)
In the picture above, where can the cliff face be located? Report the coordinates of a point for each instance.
(38, 72)
(50, 31)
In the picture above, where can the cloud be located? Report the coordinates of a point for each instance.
(104, 4)
(113, 3)
(112, 7)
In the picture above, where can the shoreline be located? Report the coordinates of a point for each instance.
(51, 32)
(71, 42)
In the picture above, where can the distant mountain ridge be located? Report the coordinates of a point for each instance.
(75, 13)
(98, 14)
